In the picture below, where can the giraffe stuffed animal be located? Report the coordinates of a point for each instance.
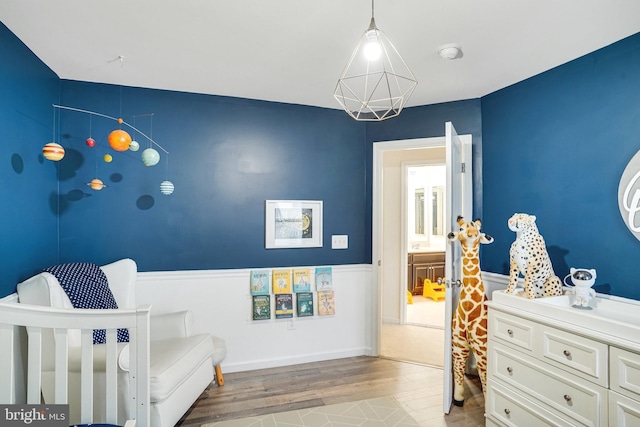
(469, 327)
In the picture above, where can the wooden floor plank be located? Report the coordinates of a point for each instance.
(417, 387)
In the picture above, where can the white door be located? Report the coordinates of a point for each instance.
(458, 202)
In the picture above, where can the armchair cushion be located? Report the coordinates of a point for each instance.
(172, 361)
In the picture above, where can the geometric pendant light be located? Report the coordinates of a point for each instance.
(376, 82)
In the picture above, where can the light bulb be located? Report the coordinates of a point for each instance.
(372, 50)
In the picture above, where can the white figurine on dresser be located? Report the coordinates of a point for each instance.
(582, 280)
(550, 364)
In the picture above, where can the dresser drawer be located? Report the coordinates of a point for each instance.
(514, 410)
(579, 355)
(577, 398)
(625, 372)
(623, 411)
(511, 330)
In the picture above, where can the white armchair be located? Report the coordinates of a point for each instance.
(181, 363)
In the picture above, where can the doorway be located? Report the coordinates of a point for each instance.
(405, 332)
(389, 241)
(423, 210)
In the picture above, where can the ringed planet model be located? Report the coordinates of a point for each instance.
(96, 184)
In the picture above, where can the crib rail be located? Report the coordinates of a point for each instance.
(38, 319)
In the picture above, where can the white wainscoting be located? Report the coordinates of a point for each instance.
(494, 282)
(221, 304)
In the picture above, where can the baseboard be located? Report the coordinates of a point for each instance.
(294, 360)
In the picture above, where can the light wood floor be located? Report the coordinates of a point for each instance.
(418, 388)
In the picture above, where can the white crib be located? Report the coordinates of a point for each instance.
(63, 322)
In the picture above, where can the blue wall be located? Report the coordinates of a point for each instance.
(227, 156)
(555, 146)
(28, 224)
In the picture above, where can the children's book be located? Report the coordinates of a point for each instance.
(261, 307)
(284, 306)
(304, 302)
(326, 303)
(324, 278)
(260, 282)
(281, 281)
(301, 280)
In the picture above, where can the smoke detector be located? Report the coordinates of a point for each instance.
(450, 51)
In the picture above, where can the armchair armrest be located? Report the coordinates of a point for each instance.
(171, 325)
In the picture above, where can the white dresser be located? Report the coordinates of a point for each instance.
(550, 364)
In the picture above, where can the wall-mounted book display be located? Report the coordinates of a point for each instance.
(293, 292)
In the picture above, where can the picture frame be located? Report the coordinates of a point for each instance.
(293, 224)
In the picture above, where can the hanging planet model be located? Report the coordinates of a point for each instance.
(53, 151)
(150, 157)
(166, 187)
(96, 184)
(119, 140)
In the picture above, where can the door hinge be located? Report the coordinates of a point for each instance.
(464, 167)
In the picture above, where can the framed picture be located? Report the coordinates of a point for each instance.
(293, 224)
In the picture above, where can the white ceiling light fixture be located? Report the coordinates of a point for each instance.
(450, 51)
(376, 82)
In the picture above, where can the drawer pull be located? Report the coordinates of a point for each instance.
(567, 353)
(510, 332)
(509, 369)
(567, 398)
(507, 411)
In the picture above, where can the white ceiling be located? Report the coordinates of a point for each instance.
(293, 51)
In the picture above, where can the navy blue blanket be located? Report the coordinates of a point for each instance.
(86, 286)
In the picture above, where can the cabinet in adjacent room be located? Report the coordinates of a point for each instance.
(424, 265)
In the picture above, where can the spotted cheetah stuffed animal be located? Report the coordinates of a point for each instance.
(528, 255)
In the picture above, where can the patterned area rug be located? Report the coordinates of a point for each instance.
(380, 412)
